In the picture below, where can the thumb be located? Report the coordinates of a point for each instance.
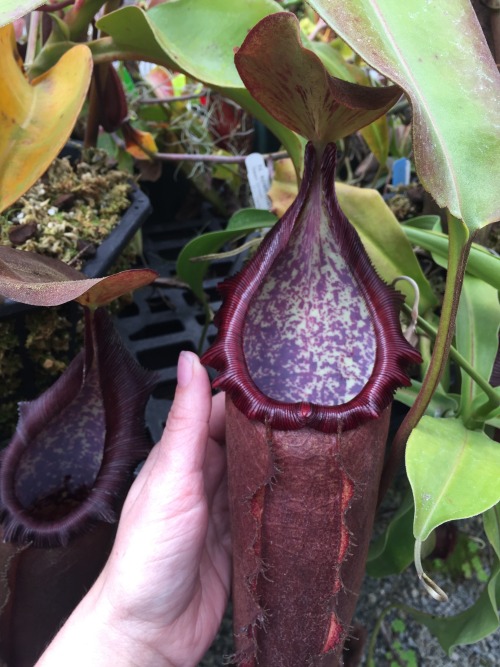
(184, 440)
(166, 507)
(177, 460)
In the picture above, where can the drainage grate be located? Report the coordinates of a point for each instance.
(164, 320)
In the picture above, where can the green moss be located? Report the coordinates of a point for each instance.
(48, 342)
(398, 625)
(40, 346)
(69, 208)
(467, 561)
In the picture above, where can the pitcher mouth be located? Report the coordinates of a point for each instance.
(309, 335)
(71, 459)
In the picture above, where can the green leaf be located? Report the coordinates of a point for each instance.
(384, 240)
(247, 219)
(132, 31)
(478, 323)
(481, 263)
(440, 405)
(197, 37)
(244, 221)
(392, 552)
(455, 127)
(15, 9)
(376, 136)
(423, 221)
(291, 82)
(228, 173)
(335, 63)
(201, 35)
(491, 521)
(60, 30)
(453, 473)
(486, 411)
(470, 626)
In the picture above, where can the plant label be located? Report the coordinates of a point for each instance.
(259, 180)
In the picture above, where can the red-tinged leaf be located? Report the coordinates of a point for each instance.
(42, 281)
(160, 81)
(113, 107)
(292, 84)
(71, 459)
(39, 281)
(111, 287)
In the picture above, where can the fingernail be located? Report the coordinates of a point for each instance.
(185, 368)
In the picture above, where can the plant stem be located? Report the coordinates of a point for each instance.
(483, 411)
(79, 18)
(218, 159)
(204, 157)
(370, 660)
(458, 252)
(172, 98)
(406, 609)
(316, 30)
(98, 85)
(430, 586)
(92, 124)
(395, 653)
(57, 6)
(490, 392)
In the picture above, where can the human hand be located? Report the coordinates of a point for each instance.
(163, 592)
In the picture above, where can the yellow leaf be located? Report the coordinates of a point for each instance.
(37, 117)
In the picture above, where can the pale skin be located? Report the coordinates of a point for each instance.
(162, 594)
